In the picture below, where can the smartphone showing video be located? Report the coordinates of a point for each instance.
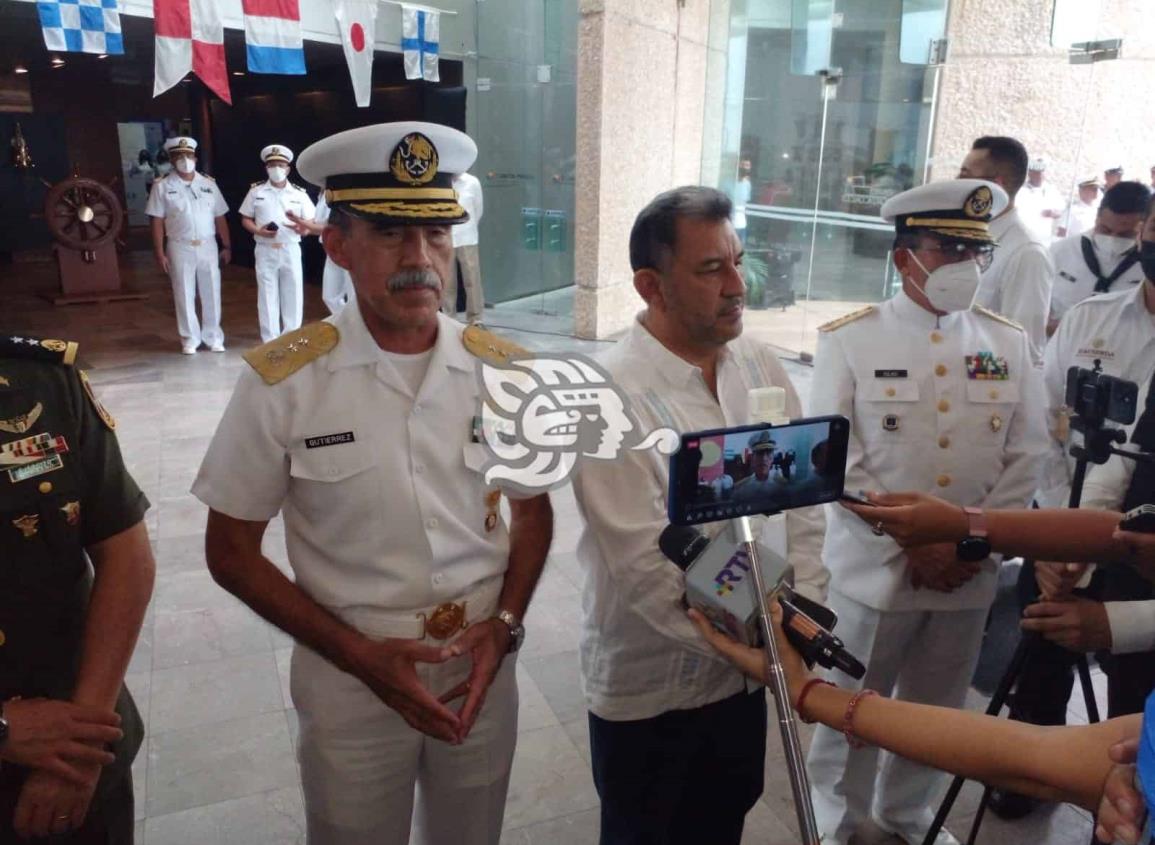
(757, 469)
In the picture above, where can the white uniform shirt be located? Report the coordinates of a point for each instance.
(1074, 280)
(469, 196)
(1080, 216)
(189, 209)
(640, 654)
(1032, 202)
(1018, 282)
(265, 203)
(919, 422)
(1118, 330)
(394, 517)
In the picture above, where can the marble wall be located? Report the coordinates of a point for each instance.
(641, 100)
(1003, 77)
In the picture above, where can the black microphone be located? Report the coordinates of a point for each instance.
(713, 570)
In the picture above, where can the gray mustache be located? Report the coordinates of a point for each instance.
(407, 279)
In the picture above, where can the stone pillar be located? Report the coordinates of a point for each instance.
(1009, 80)
(641, 89)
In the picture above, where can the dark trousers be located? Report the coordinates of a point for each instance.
(686, 776)
(109, 821)
(1047, 679)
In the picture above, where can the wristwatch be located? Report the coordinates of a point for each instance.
(516, 629)
(975, 546)
(3, 726)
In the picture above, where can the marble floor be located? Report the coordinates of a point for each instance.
(218, 766)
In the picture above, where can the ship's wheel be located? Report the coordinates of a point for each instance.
(83, 214)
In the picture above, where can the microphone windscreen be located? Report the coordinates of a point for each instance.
(682, 544)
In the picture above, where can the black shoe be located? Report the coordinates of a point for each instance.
(1011, 805)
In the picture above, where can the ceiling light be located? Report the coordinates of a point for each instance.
(57, 61)
(103, 56)
(238, 73)
(20, 69)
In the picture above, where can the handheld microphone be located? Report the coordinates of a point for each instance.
(713, 570)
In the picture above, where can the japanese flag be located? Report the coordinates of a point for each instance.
(357, 20)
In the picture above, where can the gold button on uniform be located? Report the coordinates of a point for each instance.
(943, 481)
(943, 406)
(994, 394)
(935, 337)
(45, 487)
(944, 442)
(940, 370)
(890, 391)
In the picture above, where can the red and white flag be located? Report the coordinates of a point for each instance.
(357, 21)
(190, 36)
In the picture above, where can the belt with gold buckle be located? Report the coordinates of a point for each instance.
(445, 621)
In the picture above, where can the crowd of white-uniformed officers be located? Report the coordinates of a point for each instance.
(412, 574)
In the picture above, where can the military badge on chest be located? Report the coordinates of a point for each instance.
(986, 366)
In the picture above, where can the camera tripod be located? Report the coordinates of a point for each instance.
(1099, 445)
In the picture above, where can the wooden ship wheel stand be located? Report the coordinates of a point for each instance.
(85, 217)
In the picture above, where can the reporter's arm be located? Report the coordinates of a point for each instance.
(1058, 764)
(915, 519)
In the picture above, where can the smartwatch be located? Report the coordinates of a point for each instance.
(516, 629)
(975, 546)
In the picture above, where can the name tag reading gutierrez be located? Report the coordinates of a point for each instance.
(328, 440)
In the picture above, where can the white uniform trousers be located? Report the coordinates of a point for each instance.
(194, 268)
(922, 656)
(336, 286)
(467, 269)
(279, 288)
(360, 761)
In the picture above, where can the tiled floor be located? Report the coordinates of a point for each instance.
(211, 678)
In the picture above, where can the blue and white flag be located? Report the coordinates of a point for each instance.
(420, 34)
(81, 26)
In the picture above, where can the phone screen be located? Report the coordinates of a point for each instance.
(758, 469)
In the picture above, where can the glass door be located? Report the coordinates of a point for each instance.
(526, 118)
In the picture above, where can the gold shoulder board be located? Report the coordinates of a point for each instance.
(847, 319)
(278, 359)
(997, 317)
(257, 184)
(491, 348)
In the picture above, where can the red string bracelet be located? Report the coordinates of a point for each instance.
(813, 682)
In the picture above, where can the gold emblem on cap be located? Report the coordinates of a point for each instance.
(414, 160)
(979, 202)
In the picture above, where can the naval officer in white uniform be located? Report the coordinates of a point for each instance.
(277, 253)
(188, 210)
(409, 587)
(942, 397)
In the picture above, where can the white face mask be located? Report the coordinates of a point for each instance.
(1112, 245)
(278, 174)
(186, 165)
(951, 287)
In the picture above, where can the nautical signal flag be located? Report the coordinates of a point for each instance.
(357, 22)
(190, 36)
(81, 26)
(273, 36)
(420, 42)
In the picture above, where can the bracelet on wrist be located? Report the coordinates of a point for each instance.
(811, 684)
(848, 719)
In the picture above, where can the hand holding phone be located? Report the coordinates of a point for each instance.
(1140, 519)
